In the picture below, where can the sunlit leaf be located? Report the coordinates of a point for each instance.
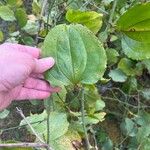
(6, 13)
(4, 114)
(90, 19)
(135, 23)
(15, 2)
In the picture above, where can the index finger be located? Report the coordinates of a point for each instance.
(33, 51)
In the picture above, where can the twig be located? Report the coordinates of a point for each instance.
(110, 20)
(34, 132)
(100, 9)
(112, 11)
(40, 20)
(7, 129)
(83, 119)
(48, 110)
(94, 138)
(35, 145)
(51, 3)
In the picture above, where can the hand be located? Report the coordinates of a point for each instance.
(21, 74)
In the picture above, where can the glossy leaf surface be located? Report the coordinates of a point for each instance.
(135, 23)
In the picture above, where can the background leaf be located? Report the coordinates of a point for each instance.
(136, 25)
(6, 13)
(58, 124)
(134, 49)
(90, 19)
(130, 67)
(21, 17)
(117, 75)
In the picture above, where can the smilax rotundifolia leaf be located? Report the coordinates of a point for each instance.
(79, 56)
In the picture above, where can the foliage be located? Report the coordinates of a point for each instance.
(79, 55)
(90, 19)
(102, 55)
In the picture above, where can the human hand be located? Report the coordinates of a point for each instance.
(21, 74)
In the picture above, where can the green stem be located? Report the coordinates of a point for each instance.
(110, 20)
(49, 108)
(83, 119)
(112, 11)
(48, 127)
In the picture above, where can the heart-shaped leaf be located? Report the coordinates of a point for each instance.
(79, 56)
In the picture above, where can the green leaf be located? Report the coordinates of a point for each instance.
(66, 141)
(21, 17)
(134, 49)
(128, 127)
(31, 27)
(1, 36)
(117, 75)
(90, 19)
(4, 114)
(130, 85)
(95, 118)
(79, 56)
(99, 105)
(129, 67)
(28, 40)
(36, 8)
(56, 121)
(143, 132)
(6, 13)
(147, 64)
(15, 2)
(93, 100)
(112, 55)
(145, 144)
(146, 93)
(108, 145)
(135, 23)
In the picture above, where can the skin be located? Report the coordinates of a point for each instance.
(21, 74)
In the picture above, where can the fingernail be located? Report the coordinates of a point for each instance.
(49, 61)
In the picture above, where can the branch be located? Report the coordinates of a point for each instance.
(35, 145)
(83, 118)
(32, 129)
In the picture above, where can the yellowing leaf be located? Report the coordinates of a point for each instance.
(90, 19)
